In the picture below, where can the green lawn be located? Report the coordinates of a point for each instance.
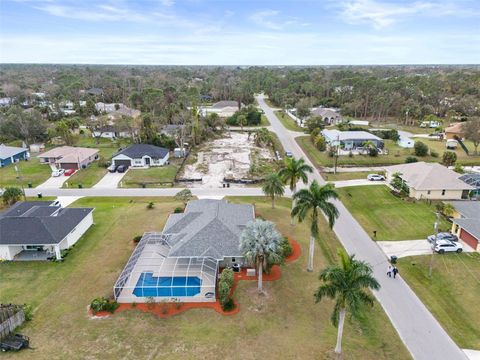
(396, 155)
(288, 122)
(152, 177)
(451, 295)
(31, 172)
(286, 323)
(264, 121)
(346, 175)
(375, 208)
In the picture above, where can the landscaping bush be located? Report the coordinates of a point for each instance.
(137, 238)
(178, 210)
(287, 249)
(434, 154)
(373, 152)
(224, 287)
(229, 305)
(102, 304)
(459, 169)
(420, 149)
(150, 302)
(449, 158)
(150, 205)
(320, 143)
(411, 159)
(27, 312)
(227, 276)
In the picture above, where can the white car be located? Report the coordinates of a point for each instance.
(58, 172)
(375, 177)
(444, 246)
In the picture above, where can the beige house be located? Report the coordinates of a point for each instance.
(69, 157)
(430, 181)
(454, 130)
(224, 108)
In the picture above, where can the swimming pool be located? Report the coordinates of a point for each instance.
(177, 286)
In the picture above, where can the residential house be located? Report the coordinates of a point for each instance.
(351, 140)
(12, 154)
(110, 132)
(69, 157)
(95, 91)
(472, 179)
(430, 181)
(116, 110)
(330, 116)
(141, 155)
(182, 262)
(37, 147)
(39, 230)
(224, 108)
(466, 222)
(455, 130)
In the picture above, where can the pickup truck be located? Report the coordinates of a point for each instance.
(14, 342)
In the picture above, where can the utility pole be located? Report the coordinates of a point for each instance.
(435, 226)
(19, 177)
(337, 148)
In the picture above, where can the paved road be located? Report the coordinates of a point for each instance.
(419, 330)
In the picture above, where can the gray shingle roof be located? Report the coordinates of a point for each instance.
(472, 226)
(137, 151)
(468, 209)
(225, 103)
(208, 228)
(31, 224)
(22, 207)
(9, 151)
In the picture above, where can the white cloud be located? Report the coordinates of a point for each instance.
(167, 2)
(264, 18)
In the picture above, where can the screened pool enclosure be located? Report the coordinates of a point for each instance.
(151, 273)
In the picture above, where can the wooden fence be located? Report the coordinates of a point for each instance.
(11, 317)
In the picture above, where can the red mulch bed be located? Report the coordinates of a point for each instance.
(170, 309)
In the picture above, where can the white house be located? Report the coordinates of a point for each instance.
(40, 230)
(141, 155)
(224, 108)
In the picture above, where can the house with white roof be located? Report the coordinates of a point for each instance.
(351, 140)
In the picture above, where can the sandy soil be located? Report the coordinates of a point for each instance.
(225, 157)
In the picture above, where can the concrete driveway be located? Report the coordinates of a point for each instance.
(405, 248)
(54, 182)
(110, 180)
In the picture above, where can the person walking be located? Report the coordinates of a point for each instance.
(395, 271)
(389, 270)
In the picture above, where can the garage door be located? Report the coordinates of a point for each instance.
(127, 163)
(67, 166)
(469, 239)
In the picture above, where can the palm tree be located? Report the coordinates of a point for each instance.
(293, 172)
(273, 186)
(309, 202)
(346, 283)
(260, 244)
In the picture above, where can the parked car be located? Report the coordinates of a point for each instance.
(443, 236)
(69, 172)
(112, 168)
(375, 177)
(444, 246)
(121, 168)
(288, 154)
(14, 342)
(57, 172)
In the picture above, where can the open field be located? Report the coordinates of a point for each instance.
(451, 295)
(153, 177)
(396, 155)
(375, 208)
(286, 323)
(288, 122)
(31, 171)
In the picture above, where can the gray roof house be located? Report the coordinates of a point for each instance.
(141, 155)
(466, 222)
(192, 245)
(12, 154)
(351, 140)
(37, 230)
(329, 116)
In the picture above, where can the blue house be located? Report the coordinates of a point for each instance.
(10, 155)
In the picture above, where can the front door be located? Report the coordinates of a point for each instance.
(147, 161)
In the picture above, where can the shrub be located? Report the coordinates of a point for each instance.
(164, 307)
(411, 159)
(134, 304)
(420, 149)
(150, 302)
(102, 304)
(150, 205)
(27, 312)
(459, 169)
(229, 305)
(11, 195)
(320, 143)
(449, 158)
(227, 276)
(178, 210)
(434, 154)
(224, 286)
(286, 248)
(373, 151)
(137, 238)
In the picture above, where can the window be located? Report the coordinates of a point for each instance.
(428, 192)
(443, 192)
(233, 259)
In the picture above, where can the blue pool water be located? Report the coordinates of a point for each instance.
(177, 286)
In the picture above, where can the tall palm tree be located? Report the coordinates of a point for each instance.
(273, 186)
(346, 283)
(294, 171)
(261, 244)
(309, 202)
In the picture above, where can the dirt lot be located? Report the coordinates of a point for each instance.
(231, 156)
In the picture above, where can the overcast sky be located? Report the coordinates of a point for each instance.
(237, 32)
